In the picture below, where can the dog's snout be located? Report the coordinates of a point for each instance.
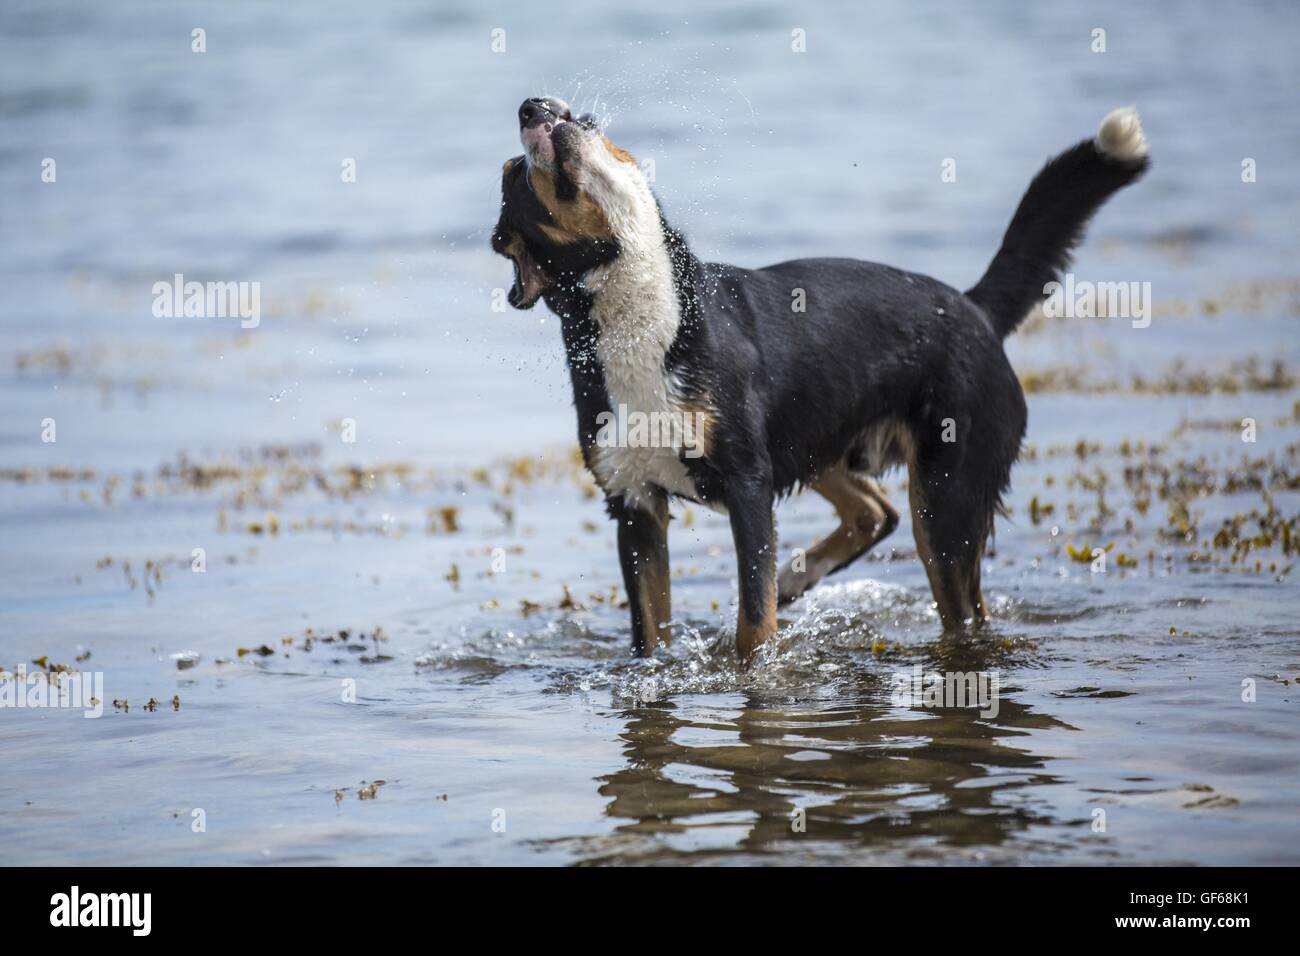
(542, 109)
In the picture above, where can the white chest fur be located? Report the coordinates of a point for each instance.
(635, 307)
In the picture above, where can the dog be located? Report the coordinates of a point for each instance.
(879, 368)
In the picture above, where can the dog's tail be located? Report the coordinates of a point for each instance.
(1050, 220)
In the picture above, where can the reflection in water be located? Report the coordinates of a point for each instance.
(767, 775)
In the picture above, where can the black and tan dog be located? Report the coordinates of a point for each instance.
(817, 372)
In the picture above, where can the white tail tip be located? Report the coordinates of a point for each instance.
(1121, 137)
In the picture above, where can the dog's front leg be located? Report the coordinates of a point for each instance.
(643, 553)
(750, 507)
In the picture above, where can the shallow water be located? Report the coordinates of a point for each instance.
(460, 547)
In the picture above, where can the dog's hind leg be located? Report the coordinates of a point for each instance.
(866, 517)
(950, 527)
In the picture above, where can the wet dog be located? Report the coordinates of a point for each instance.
(732, 387)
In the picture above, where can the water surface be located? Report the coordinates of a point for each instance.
(410, 649)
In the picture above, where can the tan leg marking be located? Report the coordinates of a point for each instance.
(866, 517)
(751, 635)
(656, 602)
(652, 594)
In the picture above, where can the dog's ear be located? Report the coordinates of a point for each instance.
(530, 279)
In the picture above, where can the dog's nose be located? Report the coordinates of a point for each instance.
(531, 109)
(542, 109)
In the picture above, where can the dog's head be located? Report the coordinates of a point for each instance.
(568, 204)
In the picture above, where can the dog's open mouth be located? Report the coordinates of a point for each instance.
(539, 116)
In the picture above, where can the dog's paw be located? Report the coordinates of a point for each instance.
(791, 584)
